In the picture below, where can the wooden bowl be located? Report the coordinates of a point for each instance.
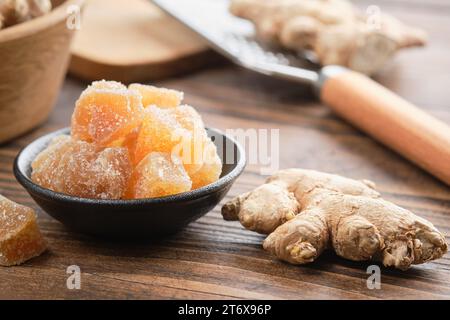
(33, 61)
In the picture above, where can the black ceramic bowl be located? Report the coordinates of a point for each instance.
(140, 218)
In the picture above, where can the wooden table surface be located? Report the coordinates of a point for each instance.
(214, 259)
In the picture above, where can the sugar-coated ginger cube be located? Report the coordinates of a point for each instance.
(178, 130)
(159, 132)
(46, 163)
(20, 237)
(188, 118)
(157, 175)
(161, 97)
(210, 170)
(129, 142)
(106, 112)
(80, 169)
(194, 147)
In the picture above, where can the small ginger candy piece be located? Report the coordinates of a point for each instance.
(211, 168)
(158, 175)
(105, 113)
(160, 97)
(80, 169)
(20, 238)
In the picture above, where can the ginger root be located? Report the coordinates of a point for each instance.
(13, 12)
(305, 212)
(333, 29)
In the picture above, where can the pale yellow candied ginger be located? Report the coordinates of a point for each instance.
(193, 147)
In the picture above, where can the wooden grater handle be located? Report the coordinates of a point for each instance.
(390, 119)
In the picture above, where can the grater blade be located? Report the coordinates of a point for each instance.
(235, 39)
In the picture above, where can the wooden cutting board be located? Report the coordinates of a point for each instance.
(132, 40)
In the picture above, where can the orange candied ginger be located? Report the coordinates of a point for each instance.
(20, 238)
(125, 142)
(178, 130)
(161, 97)
(210, 170)
(129, 142)
(106, 112)
(188, 118)
(80, 169)
(159, 132)
(157, 175)
(192, 148)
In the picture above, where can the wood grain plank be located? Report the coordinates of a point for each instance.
(215, 259)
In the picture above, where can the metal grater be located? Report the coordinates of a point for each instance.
(234, 38)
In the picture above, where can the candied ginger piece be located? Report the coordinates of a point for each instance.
(46, 162)
(161, 97)
(109, 174)
(20, 237)
(106, 112)
(79, 169)
(129, 142)
(159, 132)
(162, 132)
(108, 85)
(189, 118)
(194, 147)
(158, 175)
(211, 169)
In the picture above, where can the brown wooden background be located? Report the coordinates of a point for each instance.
(217, 259)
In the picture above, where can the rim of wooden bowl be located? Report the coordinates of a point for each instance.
(38, 24)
